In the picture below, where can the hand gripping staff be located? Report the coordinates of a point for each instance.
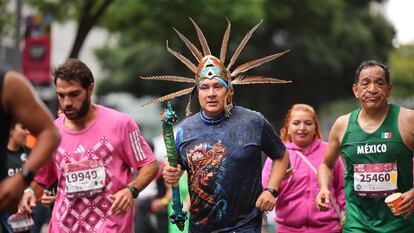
(168, 119)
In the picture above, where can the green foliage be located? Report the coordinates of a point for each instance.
(327, 38)
(5, 19)
(63, 10)
(330, 111)
(402, 70)
(87, 14)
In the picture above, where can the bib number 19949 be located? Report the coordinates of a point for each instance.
(81, 176)
(85, 178)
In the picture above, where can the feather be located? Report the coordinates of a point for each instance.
(255, 63)
(202, 39)
(254, 79)
(225, 43)
(170, 96)
(194, 50)
(183, 59)
(170, 78)
(242, 44)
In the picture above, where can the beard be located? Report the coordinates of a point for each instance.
(83, 110)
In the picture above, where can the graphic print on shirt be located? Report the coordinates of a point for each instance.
(240, 134)
(15, 161)
(207, 165)
(85, 214)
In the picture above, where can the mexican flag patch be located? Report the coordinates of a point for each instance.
(386, 135)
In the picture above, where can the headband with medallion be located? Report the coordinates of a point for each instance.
(210, 67)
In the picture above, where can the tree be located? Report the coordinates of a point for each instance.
(86, 12)
(144, 27)
(5, 20)
(402, 70)
(327, 39)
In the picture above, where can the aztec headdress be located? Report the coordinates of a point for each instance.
(210, 67)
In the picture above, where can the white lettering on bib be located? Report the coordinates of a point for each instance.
(21, 222)
(376, 180)
(85, 178)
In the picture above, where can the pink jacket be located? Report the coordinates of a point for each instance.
(295, 207)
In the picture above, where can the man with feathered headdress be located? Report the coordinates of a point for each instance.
(220, 146)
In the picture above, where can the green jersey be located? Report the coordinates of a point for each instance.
(377, 164)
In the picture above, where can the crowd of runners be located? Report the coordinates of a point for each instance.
(92, 152)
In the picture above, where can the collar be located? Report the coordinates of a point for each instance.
(212, 120)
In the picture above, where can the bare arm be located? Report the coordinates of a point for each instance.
(123, 199)
(19, 101)
(27, 108)
(278, 171)
(266, 200)
(145, 175)
(331, 155)
(406, 128)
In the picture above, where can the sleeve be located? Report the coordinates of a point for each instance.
(266, 172)
(338, 184)
(181, 159)
(272, 145)
(47, 174)
(137, 152)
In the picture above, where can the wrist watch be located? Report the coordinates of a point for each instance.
(27, 175)
(134, 191)
(274, 192)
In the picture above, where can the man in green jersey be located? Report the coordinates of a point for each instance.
(377, 144)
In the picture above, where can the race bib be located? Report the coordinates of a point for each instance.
(21, 222)
(85, 178)
(376, 180)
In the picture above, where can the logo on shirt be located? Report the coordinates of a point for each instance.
(386, 135)
(371, 149)
(80, 149)
(23, 157)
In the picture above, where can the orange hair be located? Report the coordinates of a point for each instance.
(299, 107)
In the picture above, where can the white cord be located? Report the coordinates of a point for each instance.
(313, 169)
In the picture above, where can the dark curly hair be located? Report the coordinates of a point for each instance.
(74, 69)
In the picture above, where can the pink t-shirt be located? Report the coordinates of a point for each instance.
(114, 143)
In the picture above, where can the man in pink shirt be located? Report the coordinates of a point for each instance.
(93, 162)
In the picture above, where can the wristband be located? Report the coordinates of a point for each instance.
(274, 192)
(29, 190)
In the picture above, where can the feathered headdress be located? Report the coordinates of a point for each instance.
(211, 67)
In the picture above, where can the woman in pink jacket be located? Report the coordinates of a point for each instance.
(295, 206)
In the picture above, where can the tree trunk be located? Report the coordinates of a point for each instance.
(87, 21)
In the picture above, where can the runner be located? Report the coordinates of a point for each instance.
(377, 144)
(19, 102)
(93, 162)
(295, 206)
(220, 146)
(17, 155)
